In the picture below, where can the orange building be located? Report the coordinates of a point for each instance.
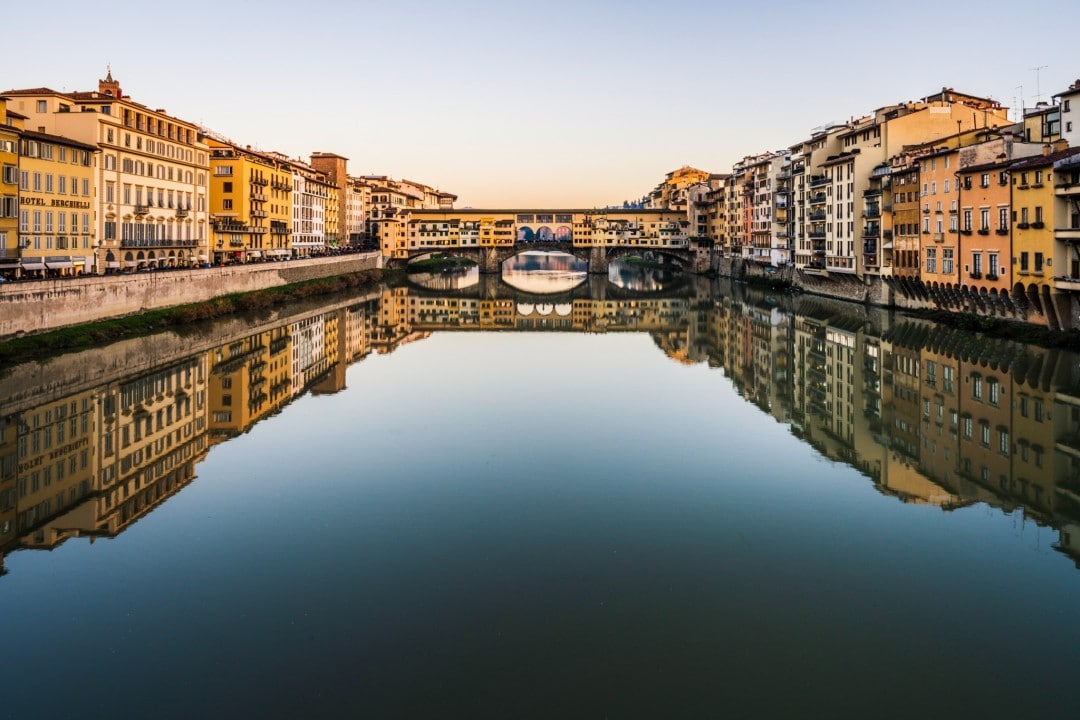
(985, 227)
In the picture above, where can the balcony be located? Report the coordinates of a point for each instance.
(816, 216)
(228, 226)
(871, 231)
(872, 192)
(870, 247)
(1069, 234)
(182, 212)
(818, 199)
(259, 181)
(816, 234)
(258, 197)
(818, 180)
(1067, 189)
(1072, 284)
(258, 213)
(141, 209)
(155, 243)
(939, 237)
(873, 211)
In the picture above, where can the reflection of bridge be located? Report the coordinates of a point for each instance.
(490, 237)
(493, 287)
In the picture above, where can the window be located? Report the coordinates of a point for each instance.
(992, 266)
(967, 219)
(984, 180)
(1023, 262)
(1038, 214)
(42, 106)
(976, 264)
(947, 260)
(1003, 218)
(984, 219)
(994, 388)
(931, 260)
(1038, 262)
(1003, 442)
(226, 204)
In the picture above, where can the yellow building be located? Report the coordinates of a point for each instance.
(1039, 256)
(11, 123)
(250, 203)
(149, 208)
(56, 191)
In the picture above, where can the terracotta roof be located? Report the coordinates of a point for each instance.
(17, 116)
(32, 91)
(58, 139)
(1045, 160)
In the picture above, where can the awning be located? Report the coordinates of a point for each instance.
(9, 262)
(112, 264)
(131, 263)
(33, 264)
(80, 260)
(255, 253)
(203, 257)
(277, 252)
(58, 263)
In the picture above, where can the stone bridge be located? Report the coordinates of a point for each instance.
(490, 259)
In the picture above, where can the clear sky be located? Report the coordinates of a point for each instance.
(555, 103)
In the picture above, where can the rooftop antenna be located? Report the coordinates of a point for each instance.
(1038, 88)
(1020, 117)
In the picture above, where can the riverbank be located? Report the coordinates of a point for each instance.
(28, 308)
(28, 347)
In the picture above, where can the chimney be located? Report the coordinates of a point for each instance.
(1061, 144)
(1047, 149)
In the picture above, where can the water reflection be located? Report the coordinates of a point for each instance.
(92, 442)
(633, 275)
(451, 279)
(544, 273)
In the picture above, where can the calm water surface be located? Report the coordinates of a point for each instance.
(470, 502)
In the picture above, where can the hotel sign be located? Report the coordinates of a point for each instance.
(56, 203)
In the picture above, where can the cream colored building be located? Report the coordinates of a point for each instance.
(151, 176)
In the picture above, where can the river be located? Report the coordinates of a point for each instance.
(637, 495)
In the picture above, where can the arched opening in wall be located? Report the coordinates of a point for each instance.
(563, 233)
(525, 234)
(544, 234)
(1033, 298)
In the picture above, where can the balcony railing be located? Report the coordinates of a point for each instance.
(818, 199)
(141, 209)
(818, 180)
(155, 243)
(182, 212)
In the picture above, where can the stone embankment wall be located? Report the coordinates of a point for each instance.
(30, 384)
(1058, 312)
(31, 307)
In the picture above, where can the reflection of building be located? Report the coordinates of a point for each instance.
(248, 379)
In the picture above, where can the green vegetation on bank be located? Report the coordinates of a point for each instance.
(438, 264)
(29, 347)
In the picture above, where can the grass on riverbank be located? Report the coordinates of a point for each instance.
(29, 347)
(438, 264)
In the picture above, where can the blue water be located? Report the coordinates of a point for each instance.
(548, 524)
